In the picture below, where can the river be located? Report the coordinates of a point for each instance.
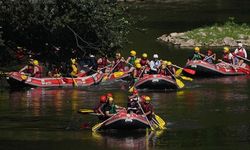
(206, 114)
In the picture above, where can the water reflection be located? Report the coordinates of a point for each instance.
(135, 140)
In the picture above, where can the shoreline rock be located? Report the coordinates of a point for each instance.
(181, 40)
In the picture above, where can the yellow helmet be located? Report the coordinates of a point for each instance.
(131, 90)
(169, 63)
(132, 52)
(197, 49)
(164, 62)
(110, 99)
(226, 49)
(137, 61)
(147, 98)
(144, 55)
(35, 62)
(73, 61)
(138, 66)
(163, 66)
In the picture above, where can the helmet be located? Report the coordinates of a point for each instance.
(155, 56)
(137, 61)
(144, 55)
(169, 63)
(118, 55)
(240, 44)
(147, 98)
(197, 49)
(143, 98)
(138, 66)
(35, 62)
(163, 66)
(135, 92)
(103, 99)
(164, 62)
(131, 89)
(110, 99)
(73, 61)
(109, 95)
(226, 49)
(132, 52)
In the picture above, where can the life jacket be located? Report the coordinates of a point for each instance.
(104, 62)
(74, 70)
(240, 52)
(30, 70)
(209, 60)
(169, 73)
(143, 62)
(137, 73)
(146, 108)
(226, 58)
(120, 66)
(113, 109)
(132, 60)
(196, 57)
(38, 74)
(162, 72)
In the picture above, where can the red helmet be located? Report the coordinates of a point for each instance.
(135, 92)
(103, 99)
(209, 51)
(109, 95)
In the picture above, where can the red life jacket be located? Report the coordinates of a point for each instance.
(226, 58)
(146, 108)
(120, 66)
(104, 62)
(167, 73)
(137, 72)
(144, 62)
(241, 53)
(38, 74)
(162, 72)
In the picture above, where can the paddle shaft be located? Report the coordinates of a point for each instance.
(243, 58)
(114, 67)
(100, 124)
(144, 114)
(208, 57)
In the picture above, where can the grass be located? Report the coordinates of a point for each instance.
(217, 33)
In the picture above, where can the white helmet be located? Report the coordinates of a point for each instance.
(240, 44)
(155, 56)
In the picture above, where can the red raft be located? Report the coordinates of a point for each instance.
(125, 121)
(16, 80)
(204, 69)
(156, 81)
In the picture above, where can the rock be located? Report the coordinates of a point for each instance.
(174, 34)
(188, 43)
(229, 41)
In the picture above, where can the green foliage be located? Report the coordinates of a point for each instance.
(102, 24)
(216, 33)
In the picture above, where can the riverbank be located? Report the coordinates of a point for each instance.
(227, 34)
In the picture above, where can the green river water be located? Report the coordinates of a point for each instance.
(207, 114)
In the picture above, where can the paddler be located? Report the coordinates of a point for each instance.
(28, 69)
(144, 60)
(241, 52)
(131, 59)
(73, 68)
(99, 108)
(37, 69)
(154, 64)
(147, 107)
(110, 108)
(210, 57)
(196, 55)
(133, 100)
(118, 63)
(227, 56)
(103, 62)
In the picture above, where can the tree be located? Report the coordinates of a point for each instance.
(40, 25)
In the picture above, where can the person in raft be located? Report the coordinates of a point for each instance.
(133, 106)
(227, 56)
(144, 60)
(154, 64)
(110, 108)
(131, 59)
(32, 69)
(239, 53)
(118, 63)
(100, 106)
(103, 62)
(196, 55)
(147, 107)
(210, 57)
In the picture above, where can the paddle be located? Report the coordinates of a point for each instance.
(99, 125)
(179, 71)
(85, 111)
(208, 57)
(242, 58)
(159, 121)
(186, 78)
(144, 114)
(74, 82)
(178, 82)
(246, 71)
(107, 76)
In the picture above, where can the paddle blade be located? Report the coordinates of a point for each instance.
(161, 122)
(75, 83)
(104, 78)
(186, 78)
(96, 127)
(85, 111)
(190, 71)
(118, 74)
(24, 77)
(178, 72)
(180, 83)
